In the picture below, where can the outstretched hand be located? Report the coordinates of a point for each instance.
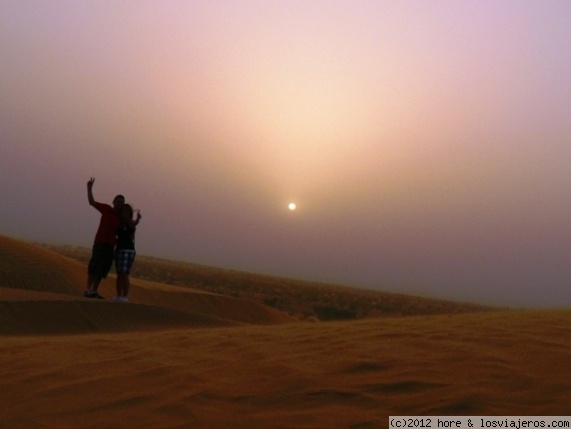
(91, 182)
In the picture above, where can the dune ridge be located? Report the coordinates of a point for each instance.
(71, 362)
(302, 299)
(33, 278)
(24, 266)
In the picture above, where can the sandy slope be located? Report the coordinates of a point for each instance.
(32, 278)
(69, 362)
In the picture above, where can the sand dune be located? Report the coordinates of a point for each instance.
(219, 306)
(32, 278)
(50, 314)
(24, 266)
(334, 375)
(69, 362)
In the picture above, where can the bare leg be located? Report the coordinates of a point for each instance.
(122, 284)
(89, 282)
(93, 283)
(96, 284)
(126, 286)
(118, 287)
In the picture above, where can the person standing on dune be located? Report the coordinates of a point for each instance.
(125, 251)
(105, 240)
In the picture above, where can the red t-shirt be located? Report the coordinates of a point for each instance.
(108, 225)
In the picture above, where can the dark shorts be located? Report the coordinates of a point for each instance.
(124, 261)
(101, 260)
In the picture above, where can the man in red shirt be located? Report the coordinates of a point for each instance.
(105, 239)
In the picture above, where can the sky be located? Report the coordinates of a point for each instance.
(426, 144)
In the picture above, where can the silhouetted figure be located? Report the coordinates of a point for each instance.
(105, 240)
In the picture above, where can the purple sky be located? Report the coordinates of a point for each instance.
(427, 144)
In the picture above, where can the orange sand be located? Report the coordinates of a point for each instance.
(177, 358)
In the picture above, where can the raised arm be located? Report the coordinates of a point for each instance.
(90, 192)
(135, 222)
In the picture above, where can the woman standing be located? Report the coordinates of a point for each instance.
(125, 251)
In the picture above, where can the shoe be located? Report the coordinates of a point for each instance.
(123, 299)
(91, 294)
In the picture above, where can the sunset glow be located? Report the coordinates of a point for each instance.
(427, 142)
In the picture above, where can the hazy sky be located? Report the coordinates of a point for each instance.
(427, 144)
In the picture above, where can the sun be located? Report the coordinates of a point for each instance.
(291, 206)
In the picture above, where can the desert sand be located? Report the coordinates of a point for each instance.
(175, 357)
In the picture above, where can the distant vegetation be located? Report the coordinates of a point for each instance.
(302, 299)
